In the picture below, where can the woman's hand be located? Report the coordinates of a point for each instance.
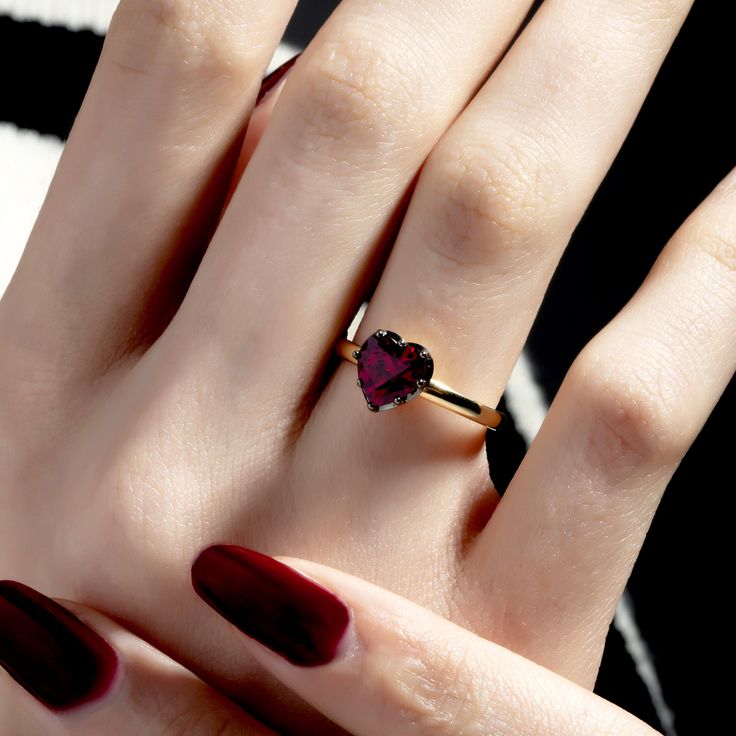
(84, 675)
(148, 411)
(369, 660)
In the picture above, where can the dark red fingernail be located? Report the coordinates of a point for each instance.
(271, 80)
(50, 652)
(272, 603)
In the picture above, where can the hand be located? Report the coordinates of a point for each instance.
(130, 439)
(371, 661)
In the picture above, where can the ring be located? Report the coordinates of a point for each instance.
(392, 371)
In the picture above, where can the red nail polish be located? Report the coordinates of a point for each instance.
(272, 603)
(50, 652)
(270, 81)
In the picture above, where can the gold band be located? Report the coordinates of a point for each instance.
(439, 394)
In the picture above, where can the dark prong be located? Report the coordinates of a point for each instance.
(421, 383)
(381, 333)
(360, 383)
(372, 407)
(356, 354)
(424, 354)
(398, 401)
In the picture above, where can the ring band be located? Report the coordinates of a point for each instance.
(392, 372)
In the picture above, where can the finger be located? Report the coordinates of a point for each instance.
(268, 94)
(379, 665)
(574, 517)
(72, 671)
(501, 193)
(357, 116)
(141, 182)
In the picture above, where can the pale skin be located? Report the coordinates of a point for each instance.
(152, 405)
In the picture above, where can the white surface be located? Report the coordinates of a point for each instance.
(76, 14)
(27, 164)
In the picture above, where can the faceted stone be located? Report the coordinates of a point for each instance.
(391, 371)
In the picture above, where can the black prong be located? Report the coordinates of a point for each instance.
(381, 333)
(356, 354)
(360, 383)
(372, 407)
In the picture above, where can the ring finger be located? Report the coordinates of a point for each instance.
(356, 118)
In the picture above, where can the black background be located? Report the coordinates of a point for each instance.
(681, 145)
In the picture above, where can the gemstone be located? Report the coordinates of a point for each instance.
(391, 371)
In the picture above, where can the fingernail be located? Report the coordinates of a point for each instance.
(56, 657)
(270, 81)
(272, 603)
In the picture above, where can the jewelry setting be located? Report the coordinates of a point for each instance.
(392, 371)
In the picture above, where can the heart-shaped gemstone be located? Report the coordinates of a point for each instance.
(391, 371)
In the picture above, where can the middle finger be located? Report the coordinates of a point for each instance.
(358, 115)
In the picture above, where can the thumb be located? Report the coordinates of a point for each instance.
(377, 664)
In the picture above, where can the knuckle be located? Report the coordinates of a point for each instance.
(194, 38)
(431, 693)
(629, 408)
(202, 719)
(354, 93)
(717, 242)
(494, 197)
(654, 11)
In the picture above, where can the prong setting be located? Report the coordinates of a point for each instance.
(391, 370)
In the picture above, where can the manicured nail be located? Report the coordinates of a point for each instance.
(270, 81)
(272, 603)
(50, 652)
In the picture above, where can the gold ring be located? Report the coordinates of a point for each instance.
(392, 371)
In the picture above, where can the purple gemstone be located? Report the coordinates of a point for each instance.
(391, 371)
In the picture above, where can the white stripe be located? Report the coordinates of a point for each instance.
(75, 14)
(638, 649)
(525, 399)
(27, 164)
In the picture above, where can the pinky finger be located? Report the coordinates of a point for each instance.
(575, 515)
(79, 673)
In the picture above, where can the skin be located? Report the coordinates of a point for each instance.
(399, 670)
(166, 375)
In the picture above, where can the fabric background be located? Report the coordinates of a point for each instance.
(673, 625)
